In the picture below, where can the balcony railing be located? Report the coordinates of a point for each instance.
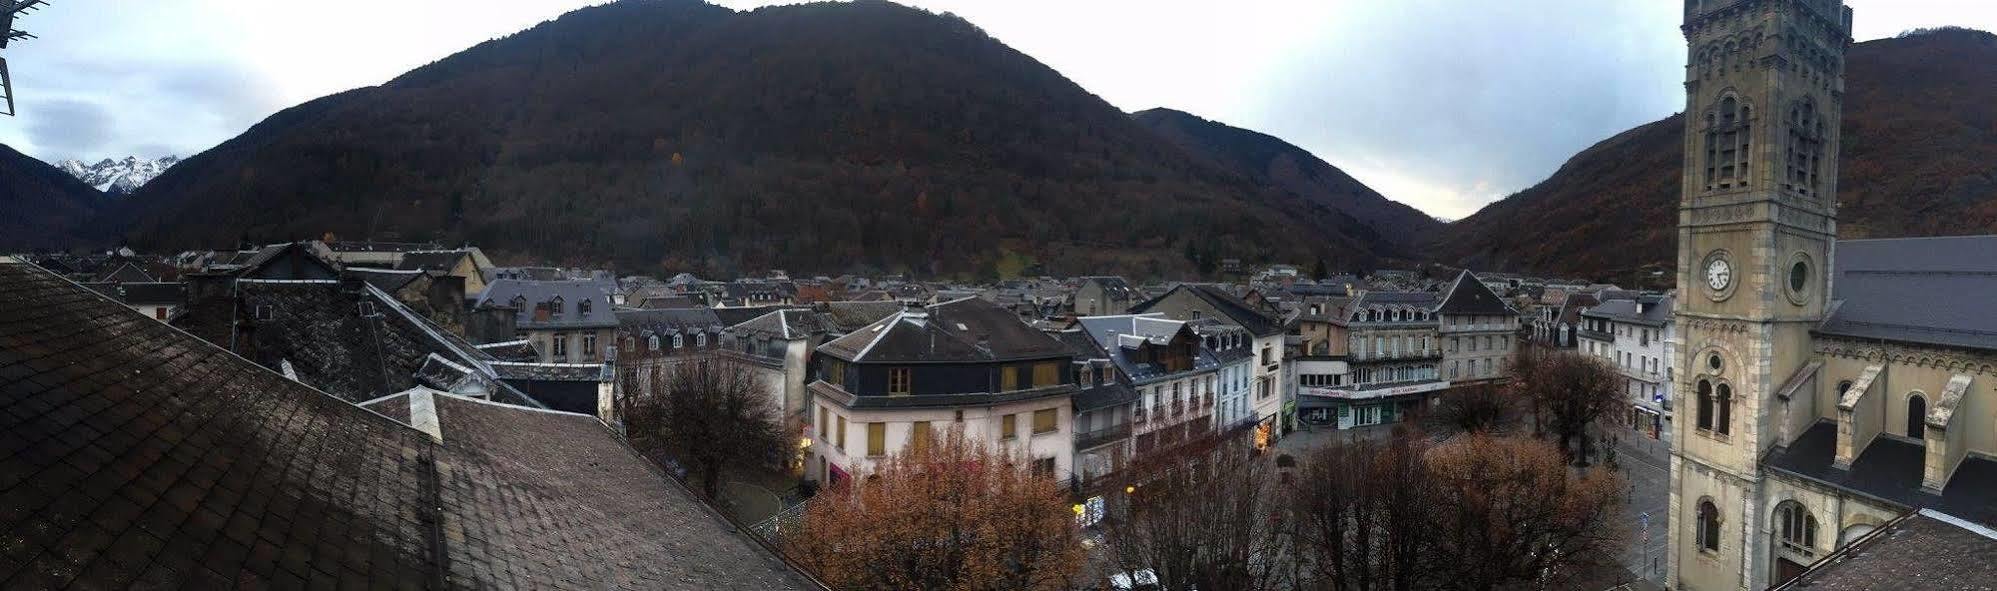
(1106, 435)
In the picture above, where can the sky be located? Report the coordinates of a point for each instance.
(1445, 105)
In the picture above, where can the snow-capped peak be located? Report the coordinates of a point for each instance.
(118, 177)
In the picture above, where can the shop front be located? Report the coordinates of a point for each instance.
(1349, 408)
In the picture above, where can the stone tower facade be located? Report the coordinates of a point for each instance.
(1764, 84)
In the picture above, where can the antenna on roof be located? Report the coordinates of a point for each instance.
(8, 10)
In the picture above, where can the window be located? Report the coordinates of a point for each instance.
(652, 342)
(877, 439)
(833, 372)
(1046, 373)
(839, 439)
(582, 308)
(561, 348)
(1044, 419)
(824, 421)
(1708, 527)
(1713, 362)
(1917, 412)
(898, 381)
(1806, 146)
(1009, 426)
(555, 307)
(679, 340)
(588, 346)
(1043, 467)
(1797, 528)
(1705, 405)
(1008, 378)
(700, 339)
(919, 434)
(1723, 398)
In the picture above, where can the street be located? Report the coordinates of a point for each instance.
(1646, 466)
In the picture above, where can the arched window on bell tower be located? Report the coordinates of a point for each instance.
(1705, 410)
(1806, 147)
(1728, 144)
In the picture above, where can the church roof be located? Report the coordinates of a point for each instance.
(1923, 550)
(1932, 291)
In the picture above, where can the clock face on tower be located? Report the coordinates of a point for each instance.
(1719, 274)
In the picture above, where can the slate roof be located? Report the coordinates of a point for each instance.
(1113, 286)
(519, 350)
(135, 455)
(152, 293)
(849, 316)
(966, 330)
(1656, 310)
(349, 339)
(503, 292)
(1923, 550)
(1095, 395)
(1240, 312)
(388, 280)
(786, 324)
(1118, 335)
(740, 314)
(1890, 470)
(669, 321)
(1470, 296)
(432, 260)
(1931, 291)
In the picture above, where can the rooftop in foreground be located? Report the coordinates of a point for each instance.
(136, 455)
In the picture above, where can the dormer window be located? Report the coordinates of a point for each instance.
(679, 340)
(652, 342)
(555, 307)
(700, 339)
(582, 308)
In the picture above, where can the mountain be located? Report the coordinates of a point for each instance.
(117, 177)
(675, 134)
(1274, 163)
(41, 206)
(1919, 159)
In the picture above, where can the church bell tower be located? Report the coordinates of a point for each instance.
(1757, 217)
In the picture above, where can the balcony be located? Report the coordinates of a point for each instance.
(1103, 436)
(1596, 335)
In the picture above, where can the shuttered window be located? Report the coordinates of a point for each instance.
(1043, 420)
(877, 439)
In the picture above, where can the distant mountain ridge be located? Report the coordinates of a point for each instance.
(42, 207)
(676, 134)
(118, 177)
(1919, 159)
(1276, 163)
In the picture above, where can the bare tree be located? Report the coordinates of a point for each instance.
(1509, 511)
(1569, 392)
(1481, 408)
(1477, 512)
(1200, 515)
(948, 513)
(712, 413)
(1359, 515)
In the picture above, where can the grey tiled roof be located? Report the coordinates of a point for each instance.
(1237, 311)
(1469, 296)
(1656, 310)
(966, 330)
(1890, 470)
(135, 455)
(668, 322)
(529, 294)
(1933, 291)
(1922, 551)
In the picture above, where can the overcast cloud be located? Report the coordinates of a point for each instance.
(1443, 104)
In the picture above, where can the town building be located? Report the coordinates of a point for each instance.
(1267, 399)
(1477, 331)
(1831, 387)
(1103, 296)
(569, 321)
(467, 263)
(1390, 363)
(1638, 336)
(966, 364)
